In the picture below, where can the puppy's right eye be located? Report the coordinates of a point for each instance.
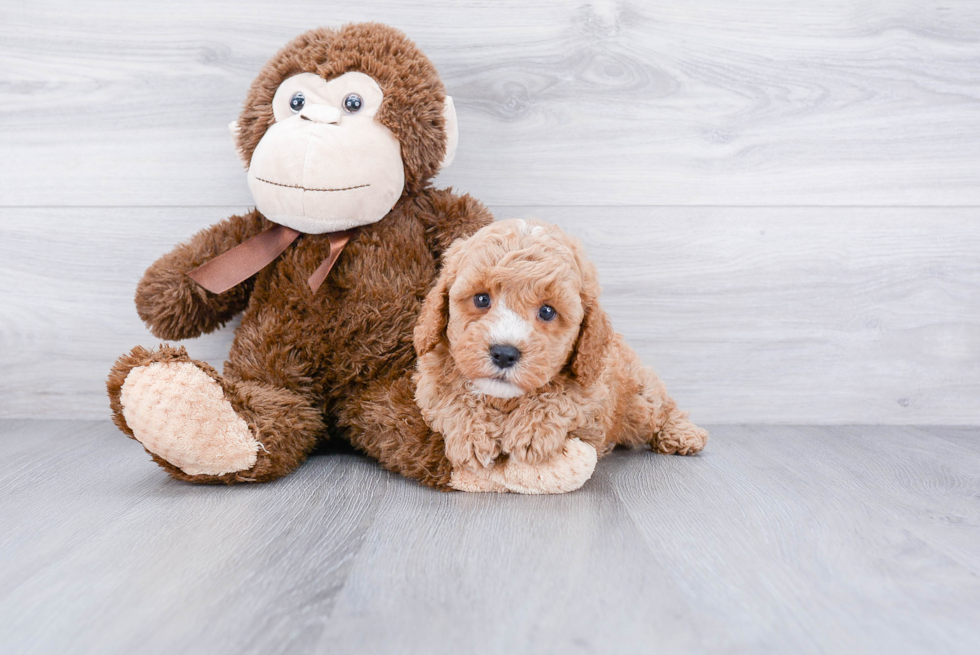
(481, 300)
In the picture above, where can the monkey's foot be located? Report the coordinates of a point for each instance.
(180, 413)
(563, 473)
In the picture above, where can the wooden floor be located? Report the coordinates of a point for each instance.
(775, 539)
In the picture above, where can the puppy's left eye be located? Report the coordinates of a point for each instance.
(481, 300)
(547, 313)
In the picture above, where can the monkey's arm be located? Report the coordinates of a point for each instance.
(173, 305)
(448, 217)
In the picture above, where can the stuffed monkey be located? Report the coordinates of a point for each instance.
(341, 133)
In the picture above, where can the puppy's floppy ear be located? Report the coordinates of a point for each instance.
(594, 337)
(596, 332)
(434, 317)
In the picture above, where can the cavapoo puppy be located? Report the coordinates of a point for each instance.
(521, 372)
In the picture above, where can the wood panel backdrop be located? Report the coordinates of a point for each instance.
(781, 197)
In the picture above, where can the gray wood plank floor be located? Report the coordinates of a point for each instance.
(775, 539)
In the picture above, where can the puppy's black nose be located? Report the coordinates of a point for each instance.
(504, 356)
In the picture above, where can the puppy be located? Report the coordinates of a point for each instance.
(521, 372)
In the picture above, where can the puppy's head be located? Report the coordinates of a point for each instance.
(517, 304)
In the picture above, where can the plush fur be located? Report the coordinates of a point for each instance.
(576, 378)
(305, 366)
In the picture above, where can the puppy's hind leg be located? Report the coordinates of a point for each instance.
(679, 436)
(652, 417)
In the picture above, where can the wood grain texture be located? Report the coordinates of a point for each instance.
(751, 315)
(604, 103)
(775, 539)
(690, 146)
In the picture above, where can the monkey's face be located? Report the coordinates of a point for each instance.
(326, 164)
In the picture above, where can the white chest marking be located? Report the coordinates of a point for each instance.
(496, 388)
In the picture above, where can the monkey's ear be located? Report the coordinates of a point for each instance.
(452, 132)
(234, 129)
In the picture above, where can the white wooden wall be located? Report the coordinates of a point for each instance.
(781, 196)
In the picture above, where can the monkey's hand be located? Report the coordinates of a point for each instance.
(173, 305)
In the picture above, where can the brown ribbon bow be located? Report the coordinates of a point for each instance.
(245, 260)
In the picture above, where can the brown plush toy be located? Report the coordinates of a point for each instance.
(341, 132)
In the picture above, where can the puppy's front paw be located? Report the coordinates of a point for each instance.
(471, 450)
(536, 441)
(545, 443)
(486, 452)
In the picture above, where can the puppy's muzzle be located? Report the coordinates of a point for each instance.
(503, 356)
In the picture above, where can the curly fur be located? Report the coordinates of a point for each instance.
(305, 366)
(577, 377)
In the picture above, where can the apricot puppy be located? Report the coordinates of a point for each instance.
(521, 372)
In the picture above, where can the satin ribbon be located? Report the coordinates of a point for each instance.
(231, 268)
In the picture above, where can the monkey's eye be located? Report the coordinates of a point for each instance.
(353, 103)
(481, 300)
(297, 102)
(547, 313)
